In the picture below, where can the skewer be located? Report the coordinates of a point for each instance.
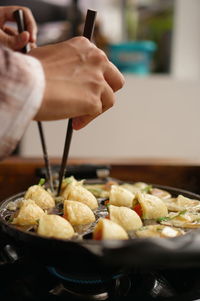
(19, 17)
(87, 32)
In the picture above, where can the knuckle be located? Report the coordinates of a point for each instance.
(94, 86)
(77, 55)
(98, 55)
(80, 40)
(110, 101)
(94, 105)
(80, 58)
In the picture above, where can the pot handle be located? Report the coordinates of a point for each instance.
(8, 255)
(8, 252)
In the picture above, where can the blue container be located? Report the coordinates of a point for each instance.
(133, 57)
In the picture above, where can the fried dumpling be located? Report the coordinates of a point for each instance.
(182, 219)
(141, 186)
(125, 217)
(119, 196)
(55, 226)
(40, 196)
(29, 214)
(138, 187)
(152, 206)
(182, 203)
(107, 229)
(78, 213)
(158, 231)
(75, 191)
(97, 190)
(131, 187)
(162, 194)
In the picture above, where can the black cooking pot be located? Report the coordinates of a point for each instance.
(112, 256)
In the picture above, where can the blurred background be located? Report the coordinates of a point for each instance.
(156, 44)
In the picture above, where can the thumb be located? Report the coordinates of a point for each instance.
(17, 42)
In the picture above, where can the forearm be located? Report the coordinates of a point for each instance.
(21, 92)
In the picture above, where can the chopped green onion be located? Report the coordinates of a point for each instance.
(41, 182)
(163, 219)
(147, 188)
(68, 180)
(182, 212)
(167, 218)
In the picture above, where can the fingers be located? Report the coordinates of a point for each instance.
(19, 41)
(6, 14)
(31, 26)
(107, 100)
(10, 30)
(113, 81)
(111, 74)
(15, 42)
(97, 57)
(80, 81)
(32, 45)
(113, 77)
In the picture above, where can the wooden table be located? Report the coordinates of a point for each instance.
(16, 174)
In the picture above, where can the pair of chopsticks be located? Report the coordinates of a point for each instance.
(87, 32)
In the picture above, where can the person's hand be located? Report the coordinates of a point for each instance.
(9, 36)
(80, 81)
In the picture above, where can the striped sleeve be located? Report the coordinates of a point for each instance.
(22, 86)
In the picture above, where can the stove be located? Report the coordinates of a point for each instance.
(22, 277)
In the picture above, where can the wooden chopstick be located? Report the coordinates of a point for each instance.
(19, 17)
(87, 32)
